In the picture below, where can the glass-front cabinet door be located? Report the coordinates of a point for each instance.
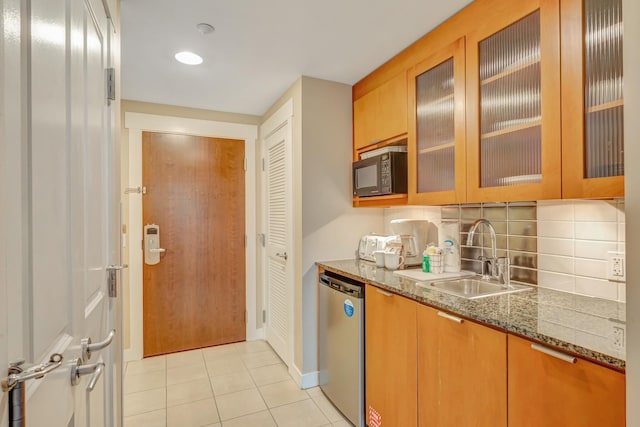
(592, 98)
(513, 108)
(436, 144)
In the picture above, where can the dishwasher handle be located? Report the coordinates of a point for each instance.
(341, 286)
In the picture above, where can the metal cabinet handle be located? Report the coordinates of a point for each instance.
(554, 353)
(450, 317)
(385, 293)
(87, 347)
(78, 370)
(157, 250)
(284, 255)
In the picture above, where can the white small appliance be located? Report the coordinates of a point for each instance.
(371, 243)
(413, 235)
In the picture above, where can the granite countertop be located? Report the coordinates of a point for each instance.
(574, 323)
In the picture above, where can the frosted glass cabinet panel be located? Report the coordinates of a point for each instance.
(513, 80)
(603, 90)
(436, 134)
(511, 143)
(594, 134)
(436, 130)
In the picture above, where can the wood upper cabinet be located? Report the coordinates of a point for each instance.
(462, 378)
(513, 102)
(547, 391)
(390, 368)
(592, 99)
(436, 136)
(381, 114)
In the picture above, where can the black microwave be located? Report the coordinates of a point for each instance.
(380, 175)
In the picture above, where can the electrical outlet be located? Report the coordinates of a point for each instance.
(618, 337)
(616, 267)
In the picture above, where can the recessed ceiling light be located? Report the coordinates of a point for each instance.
(188, 58)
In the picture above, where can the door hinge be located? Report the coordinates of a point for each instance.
(245, 164)
(263, 164)
(111, 84)
(263, 239)
(264, 316)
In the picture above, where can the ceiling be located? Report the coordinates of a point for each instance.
(260, 47)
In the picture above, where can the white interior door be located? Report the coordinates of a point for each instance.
(57, 198)
(279, 258)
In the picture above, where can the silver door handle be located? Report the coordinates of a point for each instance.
(157, 250)
(450, 317)
(78, 370)
(284, 255)
(95, 377)
(554, 353)
(87, 347)
(18, 376)
(386, 294)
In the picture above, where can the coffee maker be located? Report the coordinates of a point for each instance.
(413, 234)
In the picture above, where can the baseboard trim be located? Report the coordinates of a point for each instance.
(304, 381)
(256, 334)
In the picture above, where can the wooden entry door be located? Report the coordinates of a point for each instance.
(195, 296)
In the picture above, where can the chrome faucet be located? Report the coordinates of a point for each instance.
(498, 267)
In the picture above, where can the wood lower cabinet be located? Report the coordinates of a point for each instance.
(547, 391)
(390, 367)
(462, 380)
(428, 368)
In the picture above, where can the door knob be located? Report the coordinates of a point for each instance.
(87, 347)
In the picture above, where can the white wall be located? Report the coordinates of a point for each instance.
(331, 227)
(631, 15)
(326, 226)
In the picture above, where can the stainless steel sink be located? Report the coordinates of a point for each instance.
(470, 288)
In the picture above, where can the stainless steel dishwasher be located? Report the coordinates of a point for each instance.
(341, 344)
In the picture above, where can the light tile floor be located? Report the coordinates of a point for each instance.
(236, 385)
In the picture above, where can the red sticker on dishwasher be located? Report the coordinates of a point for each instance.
(375, 419)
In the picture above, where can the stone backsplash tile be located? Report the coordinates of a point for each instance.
(516, 237)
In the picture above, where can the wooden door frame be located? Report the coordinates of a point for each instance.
(137, 123)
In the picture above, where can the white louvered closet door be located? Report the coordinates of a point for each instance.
(278, 262)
